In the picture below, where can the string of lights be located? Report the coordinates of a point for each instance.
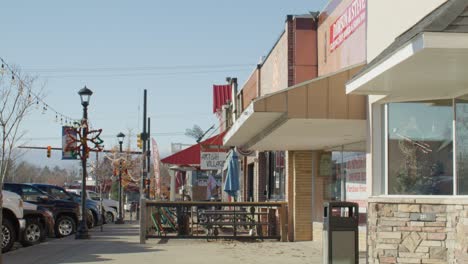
(17, 80)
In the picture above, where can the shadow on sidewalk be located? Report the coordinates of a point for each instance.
(116, 243)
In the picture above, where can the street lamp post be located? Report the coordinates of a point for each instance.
(120, 220)
(82, 231)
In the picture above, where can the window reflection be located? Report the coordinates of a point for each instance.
(420, 148)
(462, 145)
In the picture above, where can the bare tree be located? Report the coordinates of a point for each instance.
(197, 132)
(16, 99)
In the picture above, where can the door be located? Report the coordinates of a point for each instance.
(250, 182)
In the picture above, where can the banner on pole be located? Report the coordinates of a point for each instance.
(157, 169)
(69, 143)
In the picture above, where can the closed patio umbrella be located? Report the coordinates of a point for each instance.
(231, 185)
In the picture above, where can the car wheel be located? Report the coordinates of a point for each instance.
(9, 235)
(33, 233)
(109, 218)
(65, 226)
(90, 219)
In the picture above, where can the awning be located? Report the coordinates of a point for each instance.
(431, 65)
(191, 156)
(312, 115)
(428, 61)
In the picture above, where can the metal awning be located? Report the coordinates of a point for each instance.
(429, 66)
(428, 61)
(312, 115)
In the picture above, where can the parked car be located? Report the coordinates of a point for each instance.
(94, 216)
(39, 224)
(13, 223)
(110, 214)
(96, 197)
(66, 213)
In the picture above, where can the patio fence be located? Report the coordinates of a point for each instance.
(213, 220)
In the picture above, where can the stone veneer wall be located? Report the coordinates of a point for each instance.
(394, 238)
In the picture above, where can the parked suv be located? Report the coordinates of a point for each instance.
(96, 197)
(39, 224)
(66, 213)
(13, 223)
(94, 219)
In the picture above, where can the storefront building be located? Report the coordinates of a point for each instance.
(417, 132)
(308, 134)
(193, 171)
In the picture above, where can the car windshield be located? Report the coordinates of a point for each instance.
(29, 193)
(59, 193)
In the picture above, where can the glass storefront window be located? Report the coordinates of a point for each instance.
(461, 132)
(347, 176)
(420, 148)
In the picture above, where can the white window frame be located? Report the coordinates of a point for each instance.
(384, 153)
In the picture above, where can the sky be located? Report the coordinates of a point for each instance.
(176, 50)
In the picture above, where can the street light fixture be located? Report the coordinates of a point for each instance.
(82, 231)
(120, 220)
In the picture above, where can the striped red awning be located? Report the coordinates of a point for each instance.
(191, 156)
(221, 95)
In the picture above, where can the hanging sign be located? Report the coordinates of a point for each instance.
(68, 145)
(212, 160)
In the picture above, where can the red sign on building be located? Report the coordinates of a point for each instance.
(347, 23)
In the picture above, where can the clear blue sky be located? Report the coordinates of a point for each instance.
(105, 44)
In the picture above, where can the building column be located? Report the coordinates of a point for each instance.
(302, 188)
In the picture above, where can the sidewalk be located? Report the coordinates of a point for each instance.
(119, 244)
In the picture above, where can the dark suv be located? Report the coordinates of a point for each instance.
(66, 213)
(94, 217)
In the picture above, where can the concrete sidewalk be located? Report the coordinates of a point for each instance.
(119, 244)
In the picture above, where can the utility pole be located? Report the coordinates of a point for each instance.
(148, 157)
(144, 138)
(142, 213)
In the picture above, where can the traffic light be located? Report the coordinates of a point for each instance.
(49, 150)
(139, 141)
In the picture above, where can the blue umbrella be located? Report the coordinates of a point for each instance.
(231, 186)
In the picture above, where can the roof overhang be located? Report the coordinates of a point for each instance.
(313, 115)
(310, 134)
(249, 123)
(429, 66)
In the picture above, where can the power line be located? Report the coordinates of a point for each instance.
(136, 68)
(110, 136)
(32, 95)
(143, 74)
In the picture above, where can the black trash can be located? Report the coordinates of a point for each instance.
(340, 233)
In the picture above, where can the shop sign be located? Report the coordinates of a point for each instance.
(342, 36)
(356, 187)
(212, 160)
(201, 178)
(350, 20)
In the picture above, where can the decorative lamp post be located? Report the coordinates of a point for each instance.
(120, 220)
(85, 95)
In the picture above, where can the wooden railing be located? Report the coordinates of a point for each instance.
(213, 220)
